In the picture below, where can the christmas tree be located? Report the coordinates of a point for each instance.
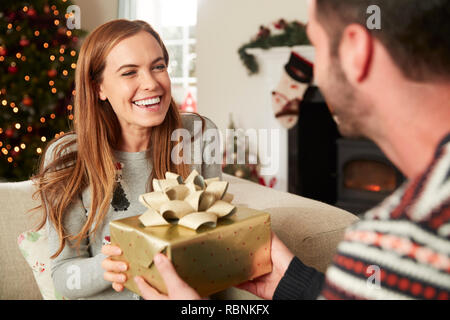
(38, 54)
(248, 170)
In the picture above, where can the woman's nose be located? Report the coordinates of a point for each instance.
(149, 82)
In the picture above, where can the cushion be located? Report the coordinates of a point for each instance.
(34, 248)
(17, 280)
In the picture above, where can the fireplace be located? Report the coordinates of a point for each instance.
(365, 175)
(351, 174)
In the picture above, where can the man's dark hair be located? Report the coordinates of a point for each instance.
(416, 33)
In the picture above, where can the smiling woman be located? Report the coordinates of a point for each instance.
(125, 118)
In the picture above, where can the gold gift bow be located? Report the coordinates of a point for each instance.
(194, 202)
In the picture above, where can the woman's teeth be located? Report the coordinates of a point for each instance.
(148, 102)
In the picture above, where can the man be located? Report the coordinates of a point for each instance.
(392, 86)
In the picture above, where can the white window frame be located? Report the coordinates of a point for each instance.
(127, 10)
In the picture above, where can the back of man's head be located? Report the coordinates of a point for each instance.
(416, 33)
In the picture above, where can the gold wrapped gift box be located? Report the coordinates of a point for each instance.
(209, 259)
(214, 245)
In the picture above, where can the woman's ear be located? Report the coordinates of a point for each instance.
(101, 93)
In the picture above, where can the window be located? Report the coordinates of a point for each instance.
(175, 21)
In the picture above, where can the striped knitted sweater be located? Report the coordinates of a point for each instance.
(399, 250)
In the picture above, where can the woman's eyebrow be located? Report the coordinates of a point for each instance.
(135, 66)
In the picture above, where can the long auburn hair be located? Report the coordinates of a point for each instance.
(97, 130)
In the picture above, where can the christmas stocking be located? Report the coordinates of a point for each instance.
(288, 95)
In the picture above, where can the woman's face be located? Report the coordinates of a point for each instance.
(136, 82)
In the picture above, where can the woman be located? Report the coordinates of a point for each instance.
(124, 120)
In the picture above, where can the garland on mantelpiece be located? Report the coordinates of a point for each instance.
(283, 34)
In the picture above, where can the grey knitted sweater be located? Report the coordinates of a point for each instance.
(78, 274)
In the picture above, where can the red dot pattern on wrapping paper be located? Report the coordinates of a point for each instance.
(129, 244)
(202, 243)
(228, 249)
(243, 243)
(220, 265)
(203, 270)
(236, 259)
(251, 254)
(257, 238)
(294, 86)
(184, 248)
(219, 237)
(250, 228)
(193, 260)
(212, 254)
(228, 276)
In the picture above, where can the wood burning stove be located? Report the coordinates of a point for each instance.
(364, 175)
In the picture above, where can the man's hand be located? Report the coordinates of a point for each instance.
(176, 287)
(264, 286)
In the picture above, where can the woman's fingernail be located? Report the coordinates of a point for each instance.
(123, 267)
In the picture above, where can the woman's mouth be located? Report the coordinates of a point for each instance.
(151, 104)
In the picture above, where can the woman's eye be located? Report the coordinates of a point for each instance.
(129, 73)
(160, 67)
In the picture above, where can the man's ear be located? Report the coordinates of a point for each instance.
(355, 52)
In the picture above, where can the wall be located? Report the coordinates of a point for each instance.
(96, 12)
(224, 86)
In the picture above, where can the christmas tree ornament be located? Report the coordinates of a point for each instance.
(31, 12)
(9, 132)
(27, 101)
(11, 16)
(12, 68)
(52, 73)
(3, 51)
(287, 97)
(24, 42)
(62, 31)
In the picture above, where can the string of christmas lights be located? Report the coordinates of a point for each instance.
(38, 56)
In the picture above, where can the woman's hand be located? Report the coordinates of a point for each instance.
(264, 286)
(113, 269)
